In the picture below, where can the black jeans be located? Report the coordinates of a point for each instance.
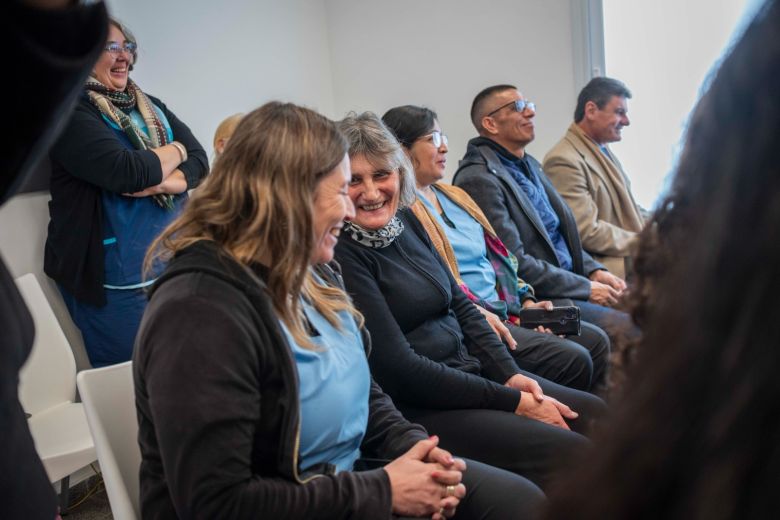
(526, 447)
(617, 324)
(578, 362)
(496, 494)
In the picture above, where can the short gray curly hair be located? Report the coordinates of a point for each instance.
(368, 136)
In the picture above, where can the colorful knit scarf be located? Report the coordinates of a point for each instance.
(113, 104)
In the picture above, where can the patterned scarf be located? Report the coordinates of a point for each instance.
(112, 104)
(376, 238)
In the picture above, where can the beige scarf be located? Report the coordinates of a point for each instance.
(438, 236)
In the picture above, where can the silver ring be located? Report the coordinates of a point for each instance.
(450, 491)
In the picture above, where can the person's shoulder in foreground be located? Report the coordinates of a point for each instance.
(50, 52)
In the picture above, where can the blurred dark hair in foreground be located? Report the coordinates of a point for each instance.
(696, 434)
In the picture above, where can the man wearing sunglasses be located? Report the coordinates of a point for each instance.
(529, 216)
(591, 179)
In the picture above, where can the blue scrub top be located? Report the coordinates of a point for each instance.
(467, 239)
(131, 224)
(334, 387)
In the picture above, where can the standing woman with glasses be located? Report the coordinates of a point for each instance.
(120, 174)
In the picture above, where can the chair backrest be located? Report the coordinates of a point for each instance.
(48, 377)
(109, 401)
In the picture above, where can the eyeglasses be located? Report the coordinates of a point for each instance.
(519, 104)
(437, 138)
(115, 48)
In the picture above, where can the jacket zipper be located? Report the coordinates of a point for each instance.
(296, 449)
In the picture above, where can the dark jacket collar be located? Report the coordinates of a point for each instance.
(483, 151)
(496, 147)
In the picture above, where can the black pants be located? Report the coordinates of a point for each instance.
(524, 446)
(622, 332)
(495, 494)
(578, 362)
(617, 324)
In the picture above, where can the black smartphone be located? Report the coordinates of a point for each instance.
(560, 320)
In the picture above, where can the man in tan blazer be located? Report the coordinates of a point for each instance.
(590, 178)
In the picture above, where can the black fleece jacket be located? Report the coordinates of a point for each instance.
(218, 412)
(432, 348)
(89, 158)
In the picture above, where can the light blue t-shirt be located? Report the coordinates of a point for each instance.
(466, 237)
(334, 386)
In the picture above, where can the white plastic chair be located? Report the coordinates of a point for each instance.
(47, 388)
(109, 400)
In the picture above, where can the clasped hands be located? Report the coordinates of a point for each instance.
(605, 288)
(535, 405)
(426, 481)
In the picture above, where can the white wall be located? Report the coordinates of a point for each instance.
(207, 60)
(441, 53)
(663, 60)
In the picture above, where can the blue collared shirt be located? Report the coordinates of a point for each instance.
(532, 186)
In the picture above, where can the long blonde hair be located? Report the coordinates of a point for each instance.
(256, 205)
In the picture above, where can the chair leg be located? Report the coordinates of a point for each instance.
(64, 495)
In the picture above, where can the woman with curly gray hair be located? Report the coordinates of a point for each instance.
(433, 352)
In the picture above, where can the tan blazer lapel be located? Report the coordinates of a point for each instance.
(610, 171)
